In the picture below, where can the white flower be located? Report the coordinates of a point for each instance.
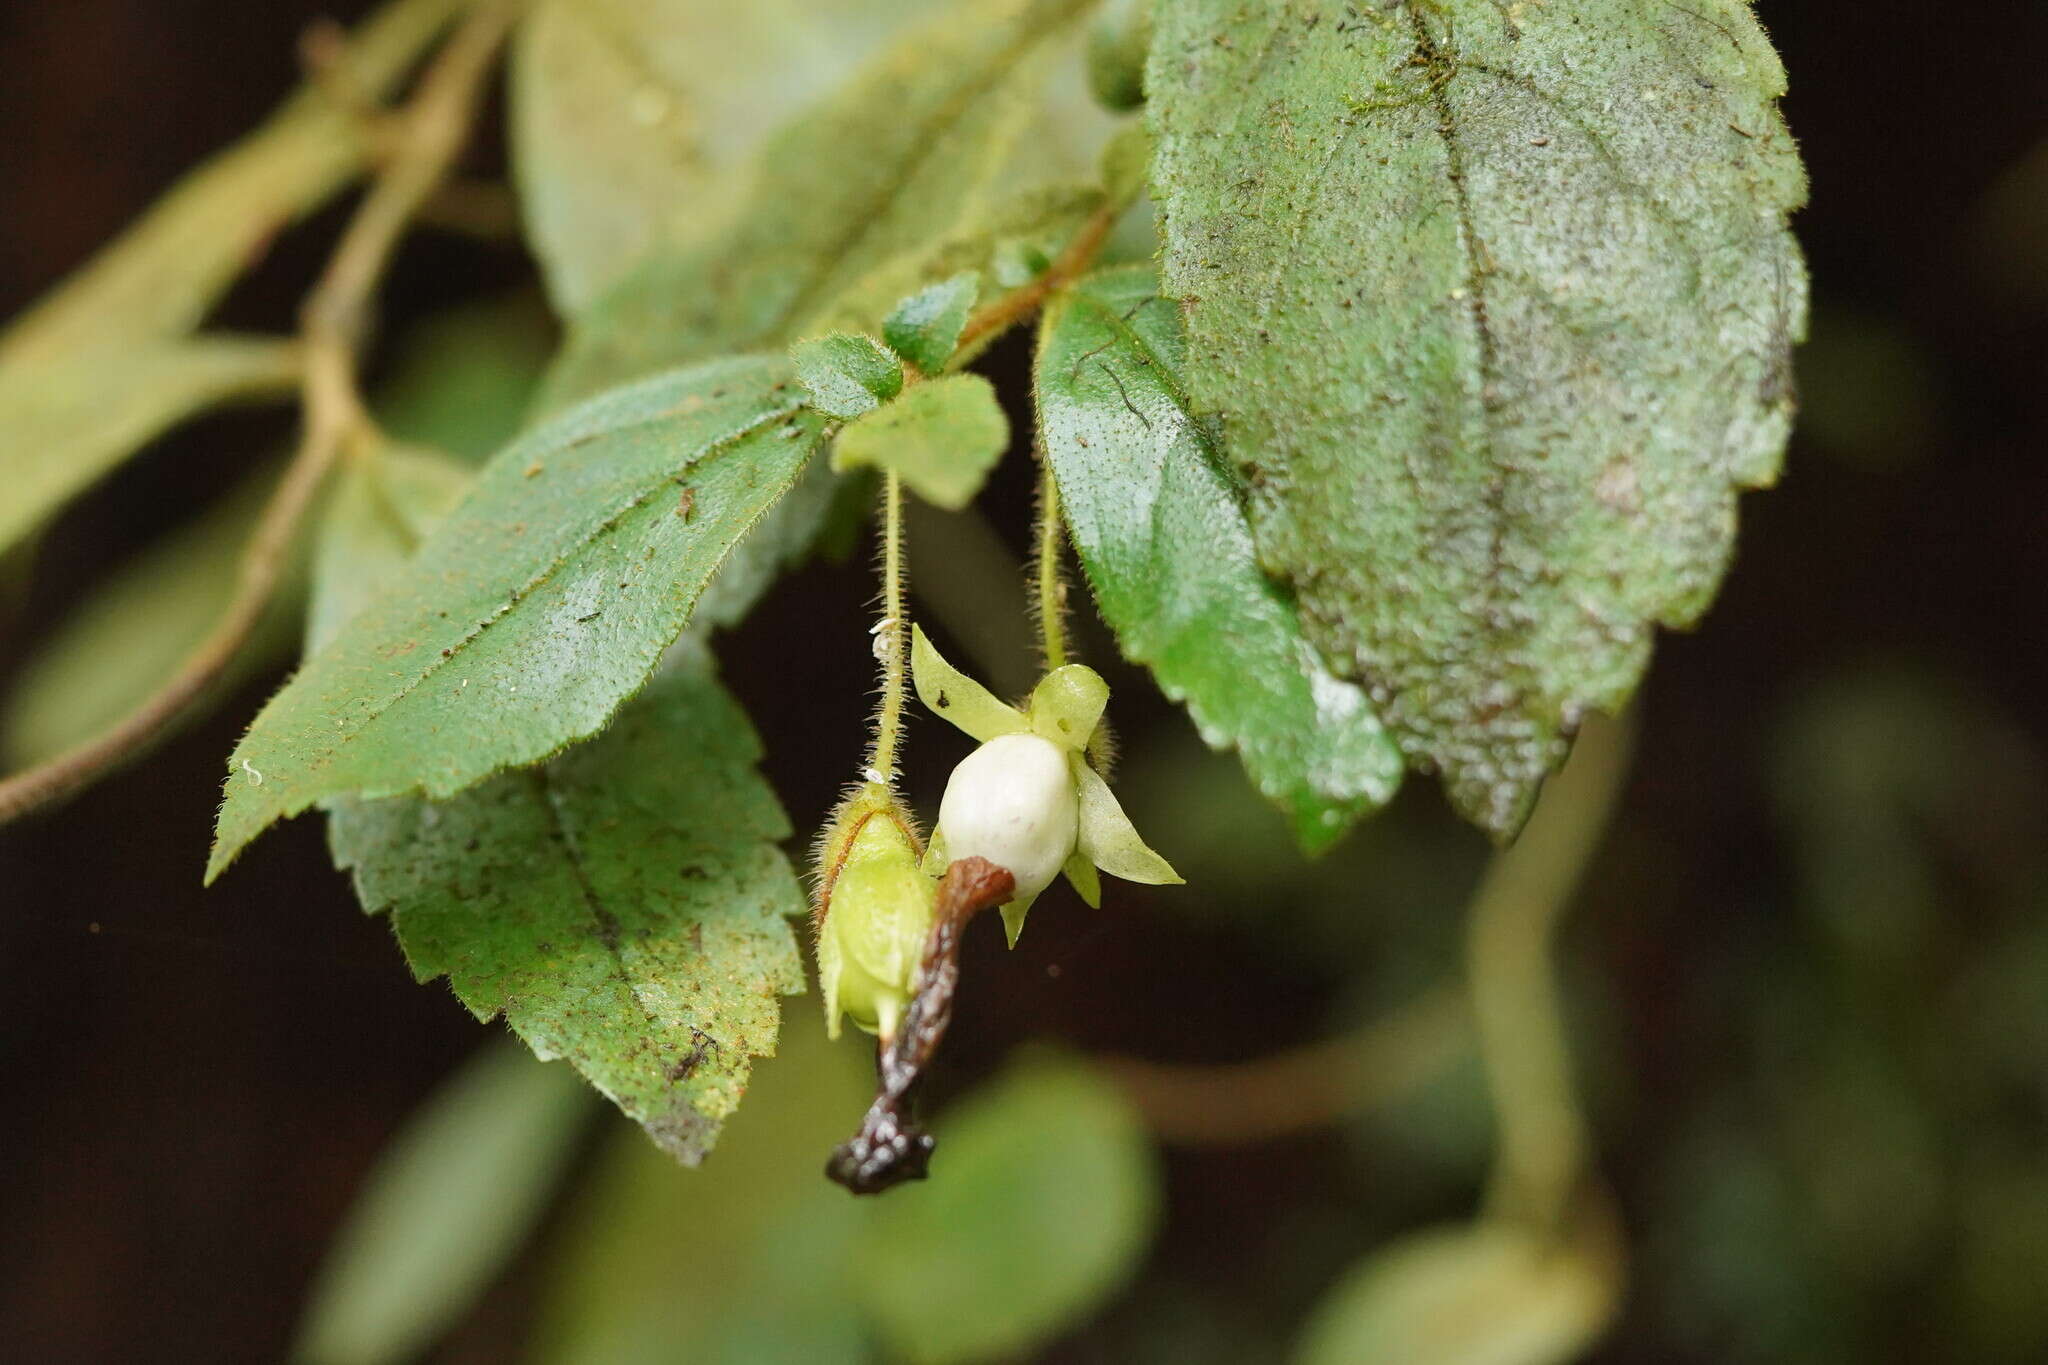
(1028, 800)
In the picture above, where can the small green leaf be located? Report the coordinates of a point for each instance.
(382, 508)
(1039, 1213)
(544, 601)
(450, 1201)
(1108, 839)
(139, 623)
(1156, 517)
(846, 374)
(1117, 44)
(942, 436)
(960, 699)
(460, 380)
(925, 327)
(887, 167)
(624, 906)
(1491, 1294)
(1492, 307)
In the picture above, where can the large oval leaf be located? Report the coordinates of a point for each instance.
(1492, 304)
(545, 600)
(1156, 516)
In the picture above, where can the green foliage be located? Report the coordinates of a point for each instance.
(107, 361)
(623, 906)
(942, 436)
(925, 328)
(1491, 1294)
(886, 168)
(450, 1201)
(1044, 1208)
(539, 606)
(1156, 516)
(1492, 309)
(846, 375)
(113, 650)
(385, 504)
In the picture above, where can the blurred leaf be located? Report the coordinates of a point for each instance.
(1492, 349)
(667, 1267)
(69, 422)
(544, 601)
(627, 114)
(461, 379)
(112, 651)
(942, 436)
(379, 512)
(450, 1201)
(1041, 1204)
(101, 364)
(887, 166)
(624, 905)
(1156, 517)
(1485, 1294)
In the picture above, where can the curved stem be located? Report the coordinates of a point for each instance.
(892, 635)
(1020, 303)
(1052, 587)
(1541, 1150)
(332, 323)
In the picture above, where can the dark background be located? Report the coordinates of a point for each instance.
(194, 1081)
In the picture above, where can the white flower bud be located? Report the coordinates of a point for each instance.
(1012, 801)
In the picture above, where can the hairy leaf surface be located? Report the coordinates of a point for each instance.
(943, 437)
(1492, 307)
(624, 906)
(1156, 515)
(544, 601)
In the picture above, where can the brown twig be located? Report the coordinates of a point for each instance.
(890, 1148)
(1021, 302)
(333, 322)
(1303, 1089)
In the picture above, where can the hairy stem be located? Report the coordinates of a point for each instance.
(1511, 932)
(1051, 586)
(333, 321)
(892, 636)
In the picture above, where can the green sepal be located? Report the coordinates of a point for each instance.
(1087, 882)
(1013, 917)
(925, 328)
(957, 697)
(1107, 838)
(1067, 705)
(846, 374)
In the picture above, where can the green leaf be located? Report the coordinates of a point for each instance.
(888, 166)
(630, 116)
(1489, 1294)
(67, 422)
(1157, 518)
(943, 436)
(101, 364)
(847, 375)
(448, 1204)
(624, 906)
(460, 380)
(925, 327)
(544, 601)
(1039, 1209)
(743, 1262)
(141, 621)
(382, 508)
(1491, 306)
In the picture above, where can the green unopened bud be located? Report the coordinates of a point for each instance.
(874, 912)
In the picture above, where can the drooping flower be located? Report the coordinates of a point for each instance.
(874, 911)
(1028, 799)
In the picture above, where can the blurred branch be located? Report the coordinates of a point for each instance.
(333, 321)
(1510, 938)
(1303, 1089)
